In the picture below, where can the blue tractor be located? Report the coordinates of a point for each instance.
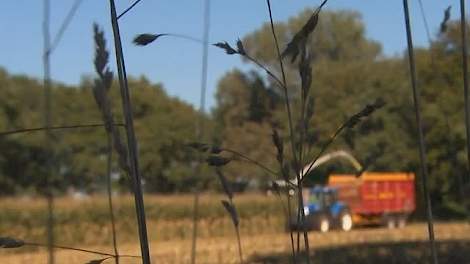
(323, 211)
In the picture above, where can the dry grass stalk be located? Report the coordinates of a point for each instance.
(129, 8)
(48, 48)
(39, 129)
(100, 90)
(230, 208)
(48, 135)
(200, 129)
(131, 139)
(463, 31)
(9, 242)
(422, 148)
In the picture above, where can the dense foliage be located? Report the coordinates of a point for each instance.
(163, 125)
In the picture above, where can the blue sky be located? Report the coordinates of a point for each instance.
(174, 62)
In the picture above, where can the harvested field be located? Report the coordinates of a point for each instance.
(366, 245)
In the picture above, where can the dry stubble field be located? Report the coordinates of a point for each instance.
(81, 224)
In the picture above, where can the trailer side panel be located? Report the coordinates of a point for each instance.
(376, 193)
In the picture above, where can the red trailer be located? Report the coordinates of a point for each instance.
(377, 197)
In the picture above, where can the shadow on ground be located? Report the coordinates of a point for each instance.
(455, 251)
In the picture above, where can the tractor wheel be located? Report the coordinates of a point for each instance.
(323, 224)
(390, 222)
(345, 221)
(401, 221)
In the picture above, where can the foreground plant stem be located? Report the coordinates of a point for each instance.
(289, 221)
(195, 226)
(128, 9)
(48, 135)
(33, 244)
(463, 30)
(325, 147)
(236, 225)
(422, 150)
(240, 254)
(201, 125)
(248, 159)
(110, 198)
(37, 129)
(131, 140)
(291, 133)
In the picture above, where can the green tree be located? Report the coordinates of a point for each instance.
(163, 125)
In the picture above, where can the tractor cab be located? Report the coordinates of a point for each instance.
(319, 198)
